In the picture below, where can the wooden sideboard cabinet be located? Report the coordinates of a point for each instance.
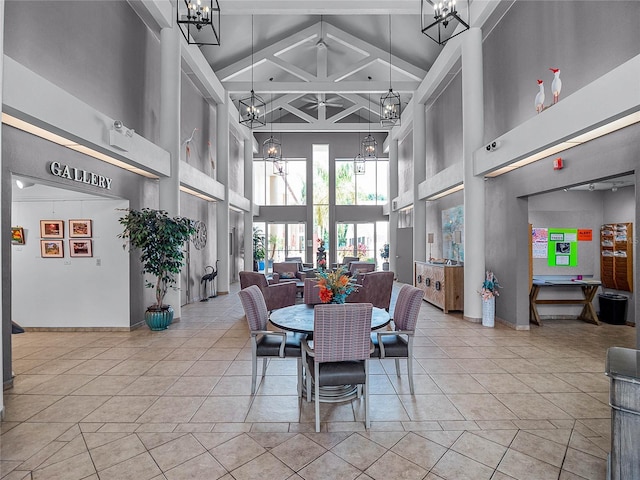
(443, 285)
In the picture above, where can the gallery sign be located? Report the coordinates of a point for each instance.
(79, 175)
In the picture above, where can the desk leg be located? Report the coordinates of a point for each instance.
(533, 309)
(588, 312)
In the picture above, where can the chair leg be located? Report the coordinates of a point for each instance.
(367, 421)
(264, 366)
(410, 373)
(254, 372)
(299, 365)
(308, 385)
(398, 367)
(317, 394)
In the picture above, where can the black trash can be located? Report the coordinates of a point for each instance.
(613, 308)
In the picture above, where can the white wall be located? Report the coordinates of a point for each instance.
(70, 292)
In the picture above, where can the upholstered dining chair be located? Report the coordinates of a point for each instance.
(399, 342)
(266, 343)
(276, 295)
(311, 292)
(340, 352)
(374, 288)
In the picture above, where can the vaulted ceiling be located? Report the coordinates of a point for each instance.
(321, 66)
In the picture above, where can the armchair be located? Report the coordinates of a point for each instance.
(266, 343)
(399, 342)
(374, 288)
(287, 271)
(302, 266)
(357, 267)
(277, 295)
(341, 351)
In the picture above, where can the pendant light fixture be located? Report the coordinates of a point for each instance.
(390, 106)
(280, 165)
(445, 20)
(252, 108)
(271, 148)
(358, 160)
(194, 15)
(369, 143)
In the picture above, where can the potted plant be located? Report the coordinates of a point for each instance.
(384, 254)
(258, 249)
(160, 239)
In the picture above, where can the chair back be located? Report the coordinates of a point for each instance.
(342, 332)
(378, 286)
(347, 260)
(252, 278)
(311, 292)
(405, 314)
(297, 260)
(254, 307)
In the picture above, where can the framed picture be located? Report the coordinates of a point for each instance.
(52, 228)
(80, 248)
(17, 236)
(51, 249)
(80, 229)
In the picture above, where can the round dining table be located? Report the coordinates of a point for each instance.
(299, 318)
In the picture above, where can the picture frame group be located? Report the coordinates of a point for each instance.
(52, 238)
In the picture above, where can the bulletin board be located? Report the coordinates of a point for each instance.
(563, 247)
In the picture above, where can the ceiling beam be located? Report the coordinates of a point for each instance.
(319, 87)
(314, 7)
(322, 126)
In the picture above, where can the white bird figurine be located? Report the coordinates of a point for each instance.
(556, 85)
(539, 102)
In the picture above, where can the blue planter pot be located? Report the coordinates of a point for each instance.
(159, 319)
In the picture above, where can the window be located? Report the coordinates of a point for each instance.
(321, 195)
(362, 240)
(367, 189)
(272, 189)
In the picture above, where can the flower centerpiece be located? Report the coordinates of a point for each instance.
(490, 286)
(334, 286)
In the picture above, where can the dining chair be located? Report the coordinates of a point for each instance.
(374, 288)
(340, 352)
(266, 343)
(398, 343)
(311, 292)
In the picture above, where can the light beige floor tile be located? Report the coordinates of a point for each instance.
(121, 409)
(479, 365)
(19, 408)
(545, 383)
(523, 467)
(531, 406)
(176, 452)
(440, 365)
(93, 367)
(171, 410)
(203, 466)
(271, 439)
(383, 408)
(579, 405)
(501, 383)
(329, 465)
(264, 466)
(238, 385)
(457, 383)
(208, 368)
(430, 407)
(223, 409)
(386, 439)
(358, 451)
(154, 386)
(237, 451)
(481, 407)
(480, 449)
(131, 367)
(69, 409)
(419, 450)
(329, 412)
(585, 465)
(141, 467)
(212, 439)
(170, 368)
(152, 440)
(74, 468)
(540, 448)
(105, 385)
(453, 465)
(444, 438)
(93, 439)
(117, 451)
(192, 386)
(24, 383)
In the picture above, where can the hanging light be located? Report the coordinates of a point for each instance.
(445, 20)
(252, 108)
(197, 14)
(390, 106)
(280, 168)
(369, 143)
(358, 160)
(272, 148)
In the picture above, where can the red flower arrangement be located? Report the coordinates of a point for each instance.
(334, 286)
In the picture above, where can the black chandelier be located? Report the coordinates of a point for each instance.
(445, 20)
(390, 106)
(194, 15)
(252, 108)
(369, 143)
(271, 147)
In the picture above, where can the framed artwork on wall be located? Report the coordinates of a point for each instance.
(80, 248)
(17, 236)
(80, 229)
(52, 228)
(51, 249)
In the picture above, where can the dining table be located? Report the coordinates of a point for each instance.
(300, 318)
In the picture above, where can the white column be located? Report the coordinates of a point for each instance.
(393, 193)
(248, 193)
(5, 323)
(169, 187)
(222, 206)
(419, 176)
(472, 139)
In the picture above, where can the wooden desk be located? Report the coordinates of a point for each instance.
(588, 289)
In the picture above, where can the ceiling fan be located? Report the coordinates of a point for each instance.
(321, 100)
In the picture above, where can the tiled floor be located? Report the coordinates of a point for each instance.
(489, 404)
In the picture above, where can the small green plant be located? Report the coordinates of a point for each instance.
(384, 252)
(160, 239)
